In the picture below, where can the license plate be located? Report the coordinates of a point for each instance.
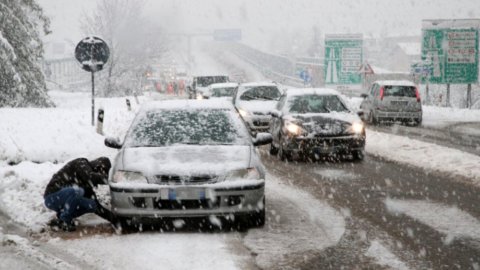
(399, 103)
(183, 194)
(323, 150)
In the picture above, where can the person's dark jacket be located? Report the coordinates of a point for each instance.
(82, 173)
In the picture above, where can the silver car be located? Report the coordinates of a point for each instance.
(392, 101)
(188, 158)
(255, 101)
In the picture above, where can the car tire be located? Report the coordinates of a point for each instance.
(417, 122)
(282, 154)
(358, 155)
(372, 119)
(258, 219)
(273, 150)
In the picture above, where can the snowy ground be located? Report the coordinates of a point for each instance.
(69, 136)
(35, 143)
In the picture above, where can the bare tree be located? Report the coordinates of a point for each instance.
(135, 42)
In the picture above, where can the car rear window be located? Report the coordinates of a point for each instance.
(208, 80)
(261, 93)
(399, 91)
(223, 92)
(168, 127)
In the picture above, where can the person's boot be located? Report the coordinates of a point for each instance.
(68, 226)
(56, 222)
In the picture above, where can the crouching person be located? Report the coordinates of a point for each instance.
(70, 191)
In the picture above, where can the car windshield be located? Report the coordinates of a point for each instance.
(168, 127)
(261, 93)
(208, 80)
(399, 91)
(316, 104)
(223, 92)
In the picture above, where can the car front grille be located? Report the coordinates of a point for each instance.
(178, 179)
(261, 123)
(185, 204)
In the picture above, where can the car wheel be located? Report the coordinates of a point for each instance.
(358, 155)
(273, 150)
(258, 218)
(372, 119)
(284, 155)
(253, 219)
(417, 122)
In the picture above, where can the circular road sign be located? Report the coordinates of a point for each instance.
(92, 52)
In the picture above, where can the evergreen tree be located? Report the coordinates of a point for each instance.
(22, 82)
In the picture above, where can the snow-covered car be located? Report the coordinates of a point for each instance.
(200, 84)
(315, 122)
(392, 101)
(255, 101)
(188, 158)
(221, 90)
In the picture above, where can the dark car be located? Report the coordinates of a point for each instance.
(200, 84)
(311, 123)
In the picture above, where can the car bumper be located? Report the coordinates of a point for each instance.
(187, 201)
(325, 145)
(258, 124)
(383, 115)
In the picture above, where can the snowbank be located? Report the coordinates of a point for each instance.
(429, 156)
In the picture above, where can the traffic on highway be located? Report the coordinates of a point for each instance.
(239, 135)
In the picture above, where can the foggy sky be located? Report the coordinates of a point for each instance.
(263, 22)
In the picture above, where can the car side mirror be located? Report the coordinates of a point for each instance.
(113, 142)
(276, 113)
(364, 95)
(262, 138)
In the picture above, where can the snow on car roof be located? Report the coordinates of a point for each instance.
(392, 82)
(250, 84)
(188, 104)
(222, 85)
(311, 91)
(210, 75)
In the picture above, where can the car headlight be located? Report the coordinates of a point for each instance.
(127, 176)
(243, 113)
(199, 96)
(357, 127)
(294, 129)
(248, 173)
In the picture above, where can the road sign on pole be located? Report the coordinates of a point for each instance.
(452, 48)
(92, 53)
(343, 58)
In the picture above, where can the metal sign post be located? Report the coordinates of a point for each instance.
(92, 53)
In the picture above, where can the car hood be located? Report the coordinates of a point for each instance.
(333, 123)
(263, 107)
(346, 117)
(186, 159)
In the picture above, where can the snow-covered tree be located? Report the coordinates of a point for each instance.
(135, 43)
(22, 82)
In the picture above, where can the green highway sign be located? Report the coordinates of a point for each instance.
(343, 59)
(451, 46)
